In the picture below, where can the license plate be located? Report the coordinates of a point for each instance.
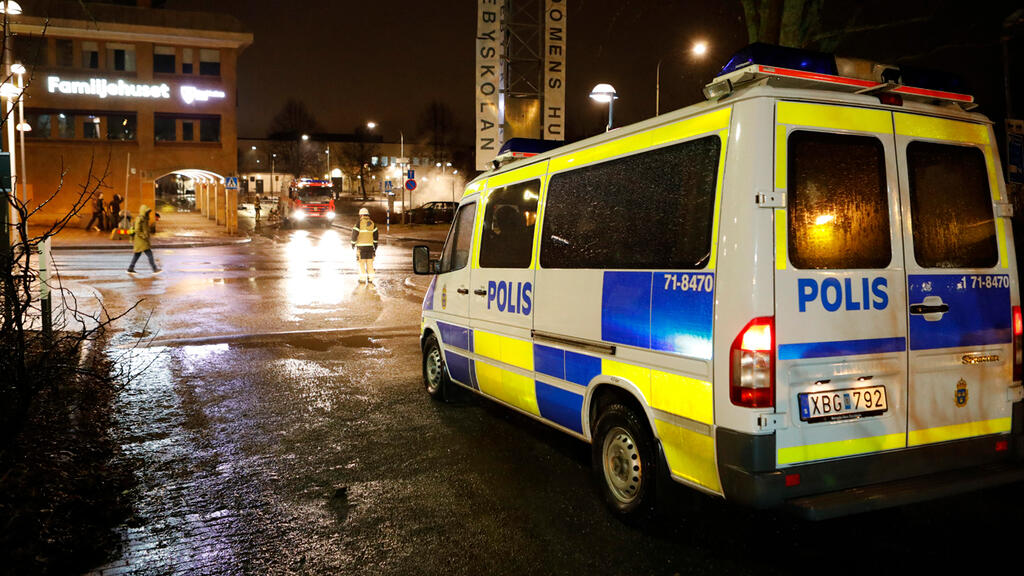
(843, 404)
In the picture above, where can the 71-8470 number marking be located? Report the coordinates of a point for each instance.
(690, 282)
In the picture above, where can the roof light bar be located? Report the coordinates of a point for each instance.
(809, 69)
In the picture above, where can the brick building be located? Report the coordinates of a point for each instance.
(149, 90)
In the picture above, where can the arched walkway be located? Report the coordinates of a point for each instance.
(193, 190)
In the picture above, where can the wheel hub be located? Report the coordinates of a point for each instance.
(622, 466)
(433, 370)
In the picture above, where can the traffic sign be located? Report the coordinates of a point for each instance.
(412, 174)
(387, 185)
(410, 184)
(232, 183)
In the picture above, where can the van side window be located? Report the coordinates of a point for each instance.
(838, 202)
(506, 240)
(950, 207)
(455, 254)
(648, 210)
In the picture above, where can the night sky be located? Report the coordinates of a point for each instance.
(386, 60)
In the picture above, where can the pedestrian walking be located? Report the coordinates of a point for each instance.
(140, 243)
(114, 214)
(97, 213)
(364, 240)
(256, 207)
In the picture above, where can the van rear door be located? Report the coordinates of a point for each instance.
(840, 315)
(959, 280)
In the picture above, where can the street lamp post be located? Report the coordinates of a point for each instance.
(605, 93)
(23, 127)
(402, 165)
(699, 49)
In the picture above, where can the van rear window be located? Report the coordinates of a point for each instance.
(950, 207)
(838, 202)
(648, 210)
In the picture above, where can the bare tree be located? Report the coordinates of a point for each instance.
(294, 154)
(437, 126)
(357, 157)
(40, 344)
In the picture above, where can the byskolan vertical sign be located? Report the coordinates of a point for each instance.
(488, 81)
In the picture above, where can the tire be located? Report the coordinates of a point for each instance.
(435, 374)
(625, 462)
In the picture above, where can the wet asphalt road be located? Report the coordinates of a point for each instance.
(317, 451)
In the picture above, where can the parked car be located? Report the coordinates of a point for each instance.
(433, 212)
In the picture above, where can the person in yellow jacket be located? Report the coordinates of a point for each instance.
(364, 240)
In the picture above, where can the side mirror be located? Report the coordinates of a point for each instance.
(421, 262)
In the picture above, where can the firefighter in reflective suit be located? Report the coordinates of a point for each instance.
(364, 239)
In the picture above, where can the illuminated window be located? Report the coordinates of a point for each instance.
(838, 202)
(163, 59)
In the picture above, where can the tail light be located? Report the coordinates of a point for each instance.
(752, 365)
(1018, 350)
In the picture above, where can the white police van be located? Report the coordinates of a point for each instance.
(801, 293)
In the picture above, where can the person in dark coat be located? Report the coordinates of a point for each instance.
(97, 213)
(140, 243)
(114, 214)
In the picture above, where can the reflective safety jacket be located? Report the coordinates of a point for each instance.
(364, 233)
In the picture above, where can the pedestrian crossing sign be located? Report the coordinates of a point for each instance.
(232, 183)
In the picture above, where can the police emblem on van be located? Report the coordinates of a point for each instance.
(444, 297)
(960, 396)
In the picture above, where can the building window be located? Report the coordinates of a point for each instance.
(186, 61)
(40, 124)
(209, 62)
(188, 131)
(91, 127)
(209, 129)
(163, 59)
(30, 50)
(65, 125)
(121, 57)
(90, 55)
(163, 128)
(65, 52)
(121, 127)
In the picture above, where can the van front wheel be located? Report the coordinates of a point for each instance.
(624, 461)
(435, 377)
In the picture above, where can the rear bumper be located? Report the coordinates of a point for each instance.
(864, 483)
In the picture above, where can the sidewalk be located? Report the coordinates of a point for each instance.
(174, 230)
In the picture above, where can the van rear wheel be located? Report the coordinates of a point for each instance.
(435, 376)
(624, 461)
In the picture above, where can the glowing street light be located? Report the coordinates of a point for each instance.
(699, 50)
(605, 94)
(10, 7)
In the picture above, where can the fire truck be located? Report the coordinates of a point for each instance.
(310, 201)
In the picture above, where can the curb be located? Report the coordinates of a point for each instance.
(276, 336)
(128, 246)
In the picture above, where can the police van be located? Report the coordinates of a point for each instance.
(799, 294)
